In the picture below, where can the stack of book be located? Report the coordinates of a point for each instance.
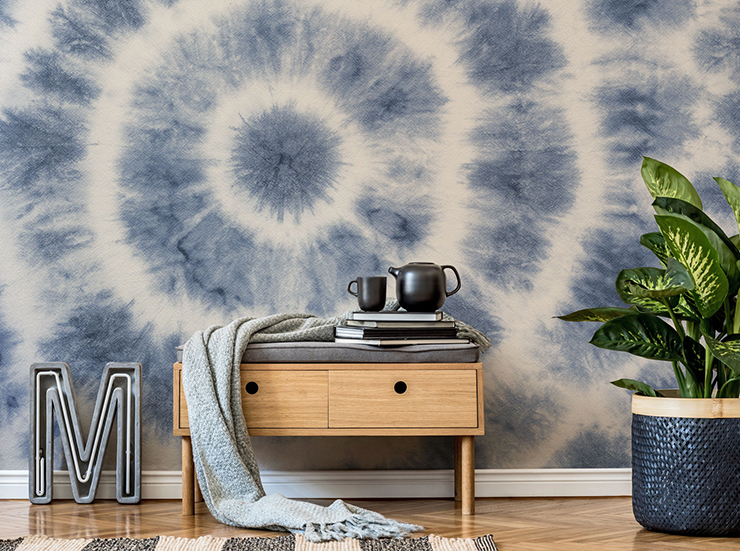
(397, 328)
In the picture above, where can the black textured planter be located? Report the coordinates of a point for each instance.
(686, 465)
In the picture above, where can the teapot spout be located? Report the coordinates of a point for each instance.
(394, 271)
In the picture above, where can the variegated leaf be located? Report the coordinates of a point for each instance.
(727, 261)
(642, 335)
(686, 308)
(598, 314)
(683, 310)
(692, 248)
(665, 181)
(725, 247)
(728, 351)
(647, 286)
(655, 242)
(732, 194)
(677, 277)
(727, 258)
(638, 386)
(668, 205)
(693, 353)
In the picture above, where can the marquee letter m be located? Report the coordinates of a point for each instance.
(52, 395)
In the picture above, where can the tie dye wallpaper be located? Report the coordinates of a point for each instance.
(166, 165)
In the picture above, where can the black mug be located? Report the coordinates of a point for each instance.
(370, 292)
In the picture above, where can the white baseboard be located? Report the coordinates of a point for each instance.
(367, 484)
(154, 485)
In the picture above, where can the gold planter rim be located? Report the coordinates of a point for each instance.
(672, 405)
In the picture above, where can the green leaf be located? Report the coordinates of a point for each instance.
(683, 310)
(727, 261)
(731, 389)
(692, 248)
(641, 388)
(647, 287)
(642, 335)
(726, 249)
(732, 194)
(677, 276)
(666, 205)
(686, 308)
(655, 242)
(693, 353)
(727, 351)
(598, 314)
(629, 280)
(665, 181)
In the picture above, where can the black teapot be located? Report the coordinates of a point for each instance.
(422, 286)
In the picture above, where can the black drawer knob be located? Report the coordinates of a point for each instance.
(400, 387)
(252, 387)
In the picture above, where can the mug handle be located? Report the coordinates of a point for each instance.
(457, 276)
(349, 288)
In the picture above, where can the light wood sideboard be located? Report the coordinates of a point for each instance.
(353, 399)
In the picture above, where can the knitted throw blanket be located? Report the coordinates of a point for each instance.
(224, 462)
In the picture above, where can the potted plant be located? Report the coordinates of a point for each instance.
(685, 442)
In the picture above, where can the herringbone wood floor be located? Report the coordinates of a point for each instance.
(517, 524)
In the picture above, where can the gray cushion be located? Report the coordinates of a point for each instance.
(334, 352)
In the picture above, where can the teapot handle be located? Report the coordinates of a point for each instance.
(456, 289)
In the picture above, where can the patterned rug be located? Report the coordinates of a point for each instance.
(280, 543)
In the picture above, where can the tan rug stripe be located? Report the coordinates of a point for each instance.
(451, 544)
(203, 543)
(42, 543)
(302, 544)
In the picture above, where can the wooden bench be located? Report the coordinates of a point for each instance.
(354, 399)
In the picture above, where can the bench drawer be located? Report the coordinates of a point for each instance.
(283, 399)
(403, 398)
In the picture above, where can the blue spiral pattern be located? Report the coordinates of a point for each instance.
(284, 158)
(285, 161)
(166, 165)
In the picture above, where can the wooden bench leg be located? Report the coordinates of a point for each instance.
(458, 468)
(467, 474)
(188, 470)
(196, 487)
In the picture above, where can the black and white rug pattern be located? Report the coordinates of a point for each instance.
(279, 543)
